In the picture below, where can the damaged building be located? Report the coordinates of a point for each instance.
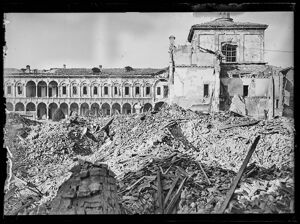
(223, 68)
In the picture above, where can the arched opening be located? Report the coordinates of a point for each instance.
(64, 108)
(116, 90)
(42, 111)
(147, 107)
(30, 107)
(9, 106)
(30, 89)
(105, 109)
(52, 108)
(159, 105)
(19, 107)
(137, 90)
(126, 90)
(116, 108)
(126, 108)
(95, 108)
(137, 108)
(74, 107)
(147, 90)
(84, 109)
(85, 90)
(105, 90)
(42, 89)
(53, 89)
(95, 90)
(74, 89)
(19, 89)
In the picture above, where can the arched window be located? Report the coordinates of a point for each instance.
(229, 51)
(19, 89)
(84, 90)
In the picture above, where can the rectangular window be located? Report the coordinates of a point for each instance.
(277, 103)
(9, 90)
(74, 90)
(147, 90)
(245, 90)
(158, 91)
(229, 51)
(126, 90)
(166, 90)
(20, 90)
(206, 90)
(50, 92)
(116, 90)
(95, 90)
(64, 90)
(137, 90)
(84, 90)
(105, 90)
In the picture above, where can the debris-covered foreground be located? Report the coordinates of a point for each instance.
(171, 161)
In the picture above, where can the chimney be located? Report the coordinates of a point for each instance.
(65, 66)
(225, 16)
(172, 40)
(28, 68)
(100, 67)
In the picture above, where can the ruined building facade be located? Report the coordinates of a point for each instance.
(224, 65)
(106, 91)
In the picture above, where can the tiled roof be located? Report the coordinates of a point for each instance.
(222, 23)
(260, 71)
(104, 71)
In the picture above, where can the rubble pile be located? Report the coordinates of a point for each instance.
(91, 189)
(229, 146)
(169, 161)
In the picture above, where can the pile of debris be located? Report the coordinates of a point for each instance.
(170, 161)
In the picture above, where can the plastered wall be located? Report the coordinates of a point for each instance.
(188, 88)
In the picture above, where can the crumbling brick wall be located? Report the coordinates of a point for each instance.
(90, 190)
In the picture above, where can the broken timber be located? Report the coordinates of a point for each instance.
(174, 200)
(239, 125)
(160, 193)
(206, 177)
(239, 175)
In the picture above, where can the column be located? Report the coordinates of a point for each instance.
(36, 91)
(132, 91)
(70, 90)
(47, 118)
(47, 91)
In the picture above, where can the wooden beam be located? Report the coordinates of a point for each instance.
(175, 198)
(239, 175)
(160, 193)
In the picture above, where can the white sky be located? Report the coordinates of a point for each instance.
(140, 40)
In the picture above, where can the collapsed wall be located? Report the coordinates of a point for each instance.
(90, 190)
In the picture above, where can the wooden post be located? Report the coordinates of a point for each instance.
(239, 175)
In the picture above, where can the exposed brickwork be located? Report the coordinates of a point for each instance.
(90, 190)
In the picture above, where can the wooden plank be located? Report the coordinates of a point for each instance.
(239, 125)
(170, 191)
(175, 198)
(160, 193)
(239, 175)
(206, 177)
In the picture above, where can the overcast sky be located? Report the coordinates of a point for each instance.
(86, 40)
